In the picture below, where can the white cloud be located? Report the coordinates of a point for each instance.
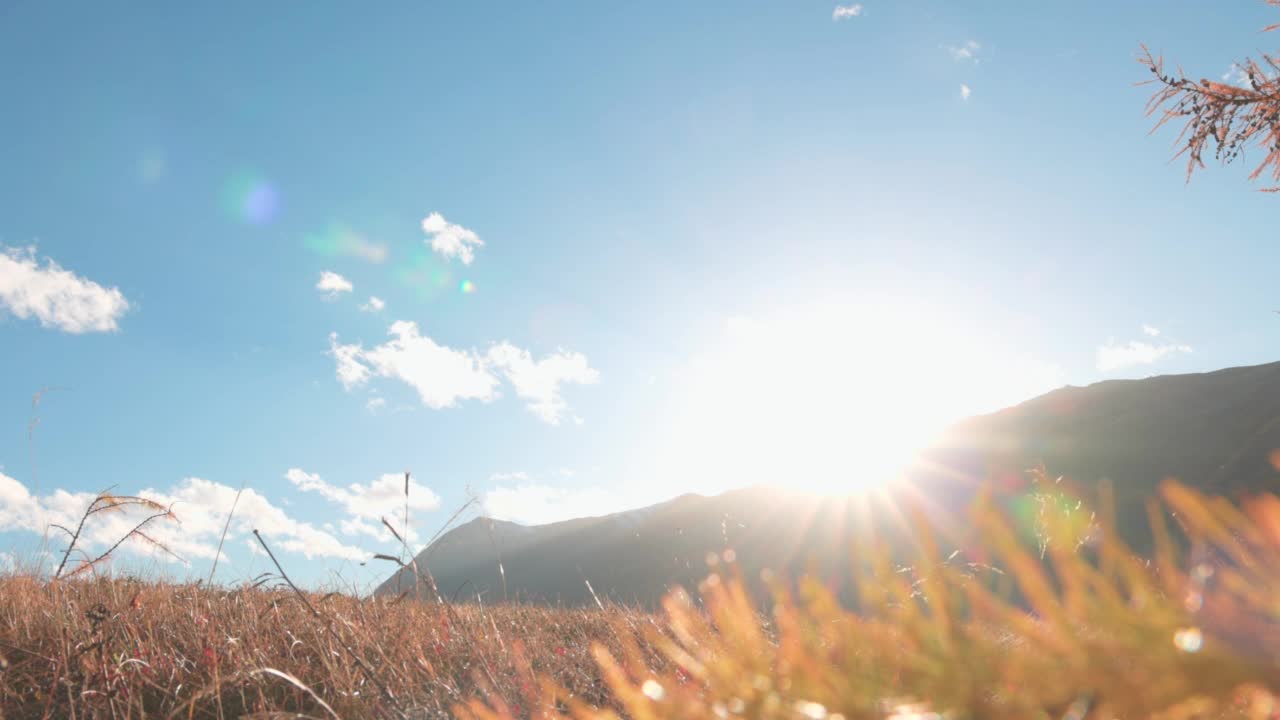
(7, 563)
(967, 51)
(1238, 75)
(965, 92)
(375, 304)
(351, 372)
(200, 507)
(56, 297)
(441, 375)
(254, 547)
(844, 12)
(1115, 356)
(444, 376)
(451, 240)
(332, 284)
(376, 403)
(539, 382)
(1149, 330)
(366, 505)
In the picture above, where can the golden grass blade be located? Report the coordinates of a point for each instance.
(298, 684)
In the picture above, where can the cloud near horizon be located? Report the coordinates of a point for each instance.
(200, 507)
(443, 376)
(518, 498)
(1117, 356)
(56, 297)
(366, 505)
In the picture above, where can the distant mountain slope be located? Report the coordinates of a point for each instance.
(635, 557)
(1213, 430)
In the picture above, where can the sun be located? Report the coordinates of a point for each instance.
(833, 398)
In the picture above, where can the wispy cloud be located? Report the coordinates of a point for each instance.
(57, 298)
(844, 12)
(518, 498)
(351, 371)
(366, 505)
(1119, 356)
(967, 51)
(444, 376)
(375, 304)
(338, 240)
(201, 506)
(965, 92)
(357, 246)
(1236, 75)
(332, 285)
(450, 240)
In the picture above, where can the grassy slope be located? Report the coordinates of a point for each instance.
(1108, 635)
(131, 648)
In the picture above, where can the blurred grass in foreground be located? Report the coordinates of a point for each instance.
(1098, 632)
(1108, 634)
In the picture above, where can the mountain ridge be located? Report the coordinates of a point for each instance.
(1215, 430)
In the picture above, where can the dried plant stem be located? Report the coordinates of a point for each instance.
(106, 501)
(359, 661)
(223, 537)
(1223, 117)
(135, 532)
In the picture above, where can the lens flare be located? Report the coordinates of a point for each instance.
(251, 199)
(467, 287)
(1189, 640)
(426, 275)
(152, 166)
(338, 240)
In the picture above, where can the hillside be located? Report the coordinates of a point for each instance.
(1212, 430)
(634, 557)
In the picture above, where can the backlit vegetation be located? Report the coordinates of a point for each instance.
(1064, 623)
(1224, 117)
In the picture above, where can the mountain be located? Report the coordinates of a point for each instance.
(1212, 430)
(634, 557)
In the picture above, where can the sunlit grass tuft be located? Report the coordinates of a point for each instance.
(1108, 634)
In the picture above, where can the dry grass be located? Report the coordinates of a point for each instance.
(1107, 635)
(126, 648)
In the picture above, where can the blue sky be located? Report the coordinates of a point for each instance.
(678, 246)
